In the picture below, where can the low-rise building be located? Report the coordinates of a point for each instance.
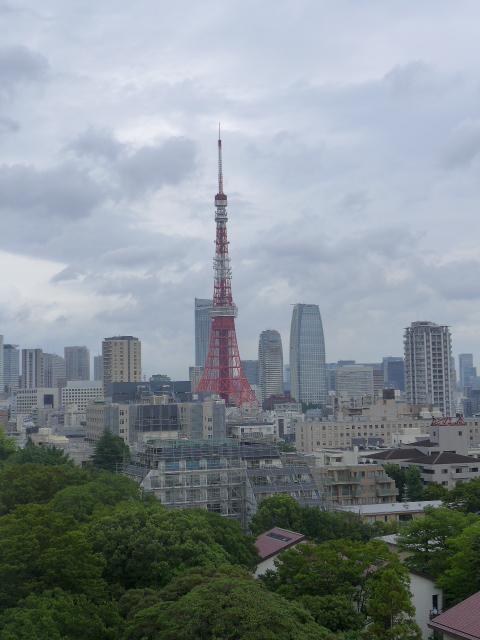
(461, 622)
(271, 543)
(392, 512)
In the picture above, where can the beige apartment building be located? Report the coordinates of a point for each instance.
(313, 435)
(122, 360)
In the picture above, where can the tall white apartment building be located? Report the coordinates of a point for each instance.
(122, 360)
(81, 393)
(429, 376)
(203, 323)
(270, 364)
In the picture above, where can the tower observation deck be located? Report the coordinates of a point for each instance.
(223, 374)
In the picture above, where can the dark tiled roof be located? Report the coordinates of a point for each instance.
(426, 443)
(395, 454)
(462, 620)
(275, 540)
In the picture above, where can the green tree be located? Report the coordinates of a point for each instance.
(335, 612)
(57, 615)
(462, 575)
(145, 546)
(277, 511)
(366, 575)
(465, 497)
(284, 511)
(110, 452)
(413, 484)
(42, 549)
(103, 491)
(35, 483)
(434, 491)
(427, 539)
(397, 474)
(7, 446)
(228, 608)
(41, 455)
(389, 608)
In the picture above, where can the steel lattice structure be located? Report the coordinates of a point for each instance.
(223, 374)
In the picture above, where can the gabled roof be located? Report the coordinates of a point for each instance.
(276, 540)
(462, 620)
(395, 454)
(417, 457)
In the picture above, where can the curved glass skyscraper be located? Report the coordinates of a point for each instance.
(307, 355)
(270, 364)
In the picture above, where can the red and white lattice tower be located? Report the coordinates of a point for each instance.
(223, 374)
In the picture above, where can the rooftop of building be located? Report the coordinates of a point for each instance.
(416, 456)
(392, 507)
(462, 620)
(275, 540)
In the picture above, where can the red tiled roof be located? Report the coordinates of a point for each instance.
(275, 540)
(462, 620)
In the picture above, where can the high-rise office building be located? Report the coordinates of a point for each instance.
(98, 367)
(53, 370)
(270, 364)
(203, 323)
(77, 363)
(2, 383)
(11, 367)
(466, 371)
(428, 366)
(122, 360)
(307, 355)
(354, 382)
(32, 368)
(394, 373)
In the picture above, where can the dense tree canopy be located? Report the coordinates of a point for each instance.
(284, 511)
(7, 446)
(465, 497)
(462, 575)
(427, 539)
(41, 455)
(35, 483)
(110, 452)
(367, 575)
(226, 607)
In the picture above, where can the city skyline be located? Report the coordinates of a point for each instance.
(344, 171)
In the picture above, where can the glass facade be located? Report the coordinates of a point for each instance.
(307, 355)
(203, 324)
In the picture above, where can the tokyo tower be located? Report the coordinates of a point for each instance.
(223, 374)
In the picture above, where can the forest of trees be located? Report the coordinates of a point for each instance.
(84, 555)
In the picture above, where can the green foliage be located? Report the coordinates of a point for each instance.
(7, 446)
(57, 615)
(35, 483)
(427, 539)
(145, 546)
(110, 452)
(413, 484)
(104, 490)
(32, 454)
(41, 550)
(462, 576)
(229, 608)
(284, 511)
(335, 612)
(434, 491)
(365, 575)
(286, 447)
(397, 474)
(465, 497)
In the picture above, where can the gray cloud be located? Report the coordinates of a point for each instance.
(19, 65)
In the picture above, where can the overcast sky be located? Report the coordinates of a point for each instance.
(351, 160)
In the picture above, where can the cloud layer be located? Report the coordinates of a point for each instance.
(352, 158)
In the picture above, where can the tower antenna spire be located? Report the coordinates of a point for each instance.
(223, 374)
(220, 167)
